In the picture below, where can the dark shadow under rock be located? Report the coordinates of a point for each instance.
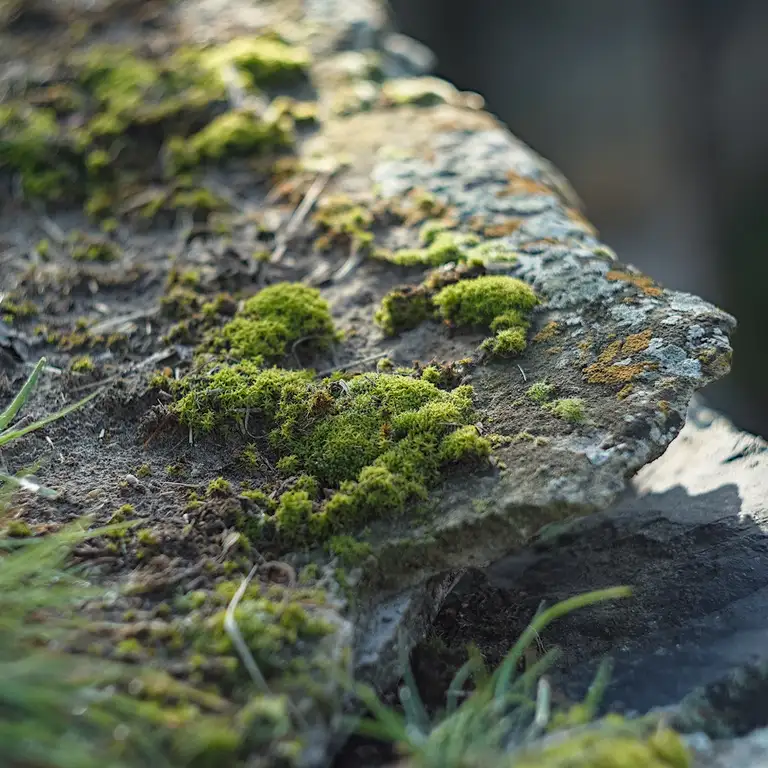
(690, 539)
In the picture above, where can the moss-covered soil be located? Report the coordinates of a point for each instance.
(335, 399)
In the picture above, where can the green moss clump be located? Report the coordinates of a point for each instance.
(614, 744)
(497, 302)
(463, 444)
(567, 408)
(210, 400)
(90, 249)
(29, 138)
(403, 309)
(82, 364)
(180, 302)
(288, 465)
(507, 343)
(344, 221)
(294, 517)
(540, 392)
(234, 134)
(274, 318)
(219, 487)
(443, 248)
(261, 61)
(13, 310)
(350, 552)
(479, 302)
(18, 529)
(146, 537)
(379, 439)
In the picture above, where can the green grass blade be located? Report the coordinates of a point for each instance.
(10, 435)
(505, 673)
(18, 402)
(25, 484)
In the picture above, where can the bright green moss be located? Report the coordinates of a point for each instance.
(236, 133)
(497, 302)
(256, 340)
(288, 465)
(293, 515)
(432, 374)
(82, 364)
(18, 529)
(260, 499)
(403, 309)
(568, 408)
(301, 309)
(463, 444)
(261, 61)
(146, 537)
(443, 248)
(17, 309)
(219, 487)
(273, 319)
(379, 439)
(430, 230)
(228, 393)
(344, 221)
(350, 552)
(614, 744)
(507, 343)
(478, 302)
(540, 392)
(119, 80)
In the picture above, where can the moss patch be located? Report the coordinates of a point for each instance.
(491, 301)
(567, 408)
(276, 317)
(169, 112)
(378, 439)
(403, 309)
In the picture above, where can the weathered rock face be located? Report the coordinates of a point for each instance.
(689, 537)
(305, 180)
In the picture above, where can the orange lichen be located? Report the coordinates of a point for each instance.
(476, 222)
(615, 374)
(637, 342)
(625, 391)
(577, 217)
(551, 329)
(503, 229)
(642, 282)
(603, 371)
(521, 185)
(540, 242)
(608, 355)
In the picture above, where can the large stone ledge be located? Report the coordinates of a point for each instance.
(498, 369)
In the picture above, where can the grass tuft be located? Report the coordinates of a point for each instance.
(508, 720)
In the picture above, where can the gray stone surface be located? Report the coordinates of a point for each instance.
(693, 641)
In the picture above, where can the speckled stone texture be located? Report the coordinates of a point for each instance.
(633, 352)
(630, 353)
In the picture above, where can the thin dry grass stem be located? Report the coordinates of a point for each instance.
(353, 261)
(352, 364)
(231, 628)
(301, 213)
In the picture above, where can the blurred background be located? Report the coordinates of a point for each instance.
(657, 112)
